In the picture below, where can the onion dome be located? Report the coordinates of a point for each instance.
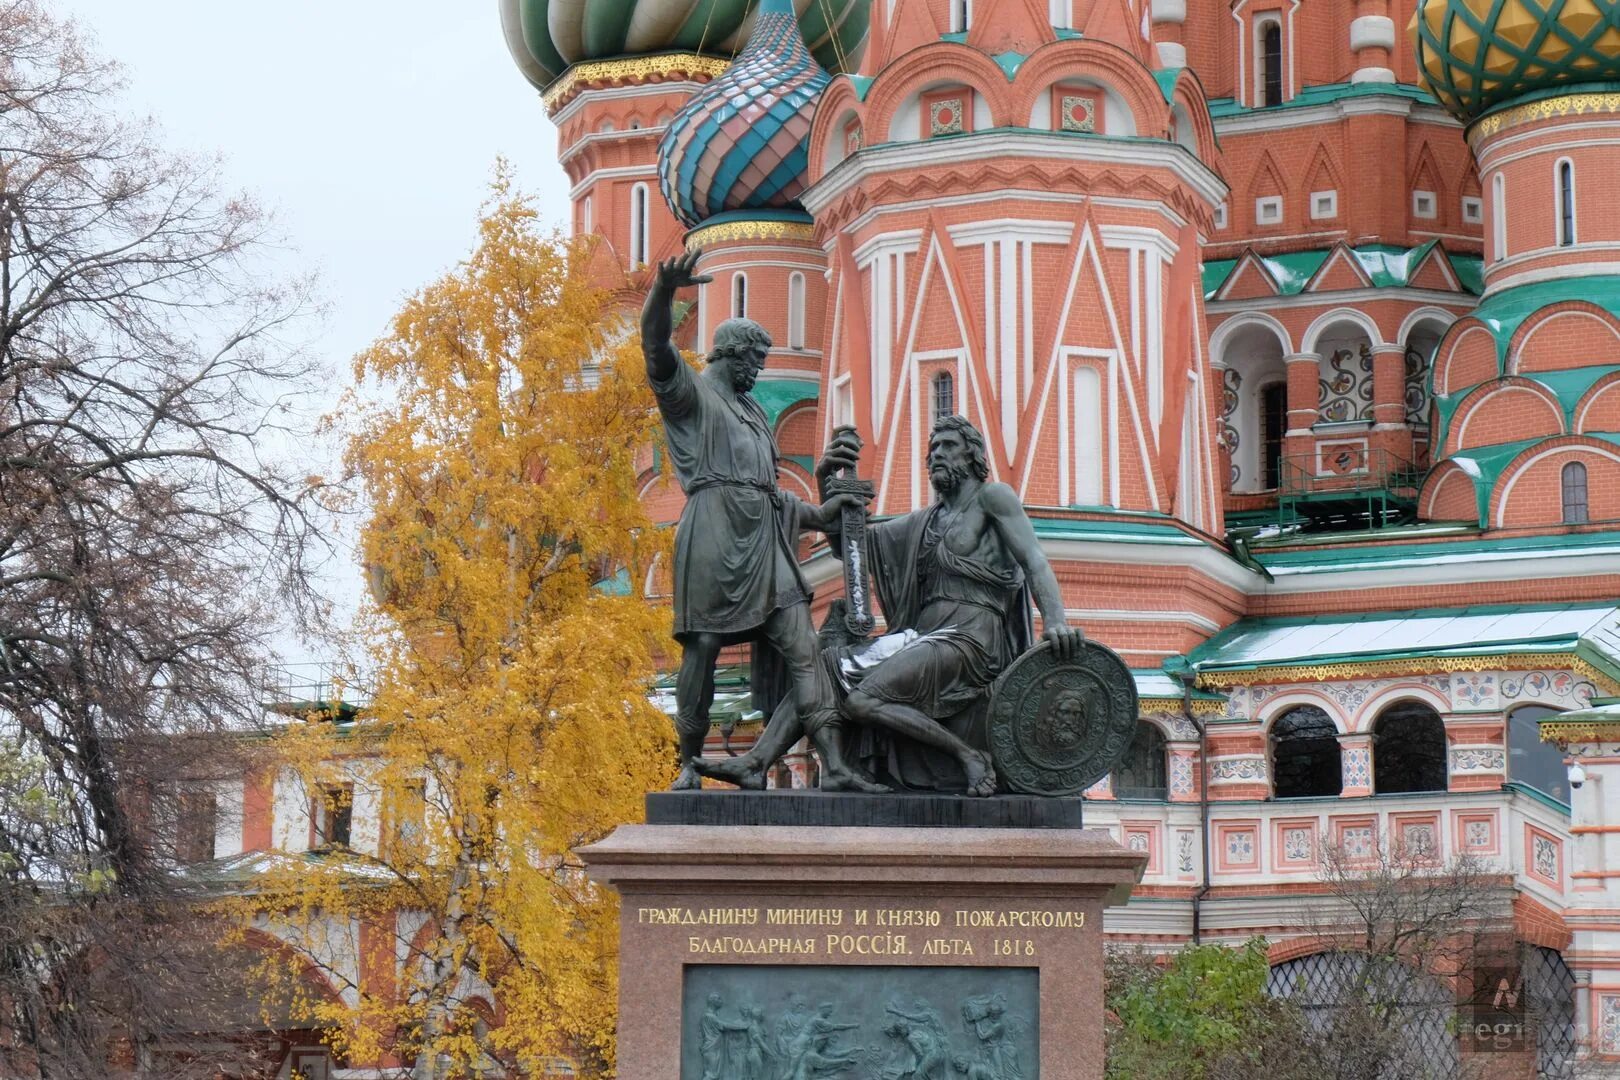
(742, 143)
(1477, 54)
(546, 36)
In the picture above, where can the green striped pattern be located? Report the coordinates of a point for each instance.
(546, 36)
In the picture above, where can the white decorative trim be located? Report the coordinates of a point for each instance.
(1169, 11)
(1348, 296)
(1372, 74)
(575, 148)
(1034, 231)
(1001, 195)
(931, 154)
(619, 93)
(1498, 281)
(1190, 618)
(1172, 54)
(1192, 555)
(623, 172)
(1372, 32)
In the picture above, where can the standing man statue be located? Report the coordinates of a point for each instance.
(955, 581)
(736, 567)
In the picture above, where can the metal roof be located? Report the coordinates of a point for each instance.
(1456, 631)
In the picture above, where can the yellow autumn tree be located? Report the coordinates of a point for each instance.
(510, 722)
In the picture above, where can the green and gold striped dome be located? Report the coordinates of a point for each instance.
(547, 36)
(1476, 54)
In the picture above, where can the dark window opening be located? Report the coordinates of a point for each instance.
(964, 15)
(1273, 424)
(1532, 762)
(1142, 774)
(739, 296)
(1271, 64)
(1574, 492)
(1305, 754)
(196, 826)
(944, 396)
(334, 816)
(1566, 204)
(1409, 750)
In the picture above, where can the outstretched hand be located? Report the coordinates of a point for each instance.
(1066, 640)
(677, 273)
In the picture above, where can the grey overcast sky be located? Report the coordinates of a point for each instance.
(368, 127)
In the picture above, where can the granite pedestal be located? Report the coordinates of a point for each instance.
(763, 952)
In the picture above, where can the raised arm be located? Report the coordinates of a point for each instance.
(658, 316)
(1012, 524)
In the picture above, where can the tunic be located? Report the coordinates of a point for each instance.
(735, 558)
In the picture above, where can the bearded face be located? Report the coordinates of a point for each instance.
(948, 462)
(745, 369)
(947, 476)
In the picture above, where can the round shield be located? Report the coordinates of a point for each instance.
(1059, 726)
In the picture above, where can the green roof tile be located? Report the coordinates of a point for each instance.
(1423, 632)
(1324, 94)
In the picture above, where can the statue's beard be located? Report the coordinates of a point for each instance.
(743, 378)
(947, 478)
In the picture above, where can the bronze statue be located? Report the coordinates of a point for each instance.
(955, 582)
(736, 569)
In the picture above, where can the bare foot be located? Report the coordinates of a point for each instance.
(688, 780)
(737, 770)
(849, 780)
(981, 776)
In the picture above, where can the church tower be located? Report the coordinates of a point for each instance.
(1013, 210)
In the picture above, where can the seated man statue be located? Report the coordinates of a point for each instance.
(954, 581)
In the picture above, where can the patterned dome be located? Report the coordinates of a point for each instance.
(740, 144)
(546, 36)
(1476, 54)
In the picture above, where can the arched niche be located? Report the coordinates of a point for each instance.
(1409, 749)
(1305, 760)
(1253, 384)
(1143, 774)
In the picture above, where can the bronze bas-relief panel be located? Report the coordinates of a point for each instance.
(758, 1022)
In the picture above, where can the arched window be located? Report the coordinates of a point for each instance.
(1530, 761)
(1566, 203)
(1271, 63)
(638, 226)
(1273, 426)
(739, 295)
(585, 217)
(1409, 749)
(1498, 217)
(1574, 494)
(961, 16)
(796, 310)
(1142, 774)
(944, 387)
(1305, 754)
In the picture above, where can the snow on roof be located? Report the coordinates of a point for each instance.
(1274, 642)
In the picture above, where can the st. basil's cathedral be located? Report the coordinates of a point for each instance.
(1297, 328)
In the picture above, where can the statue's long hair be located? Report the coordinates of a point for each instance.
(978, 459)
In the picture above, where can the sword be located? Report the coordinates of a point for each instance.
(852, 533)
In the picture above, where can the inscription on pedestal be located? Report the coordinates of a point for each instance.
(862, 934)
(780, 1022)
